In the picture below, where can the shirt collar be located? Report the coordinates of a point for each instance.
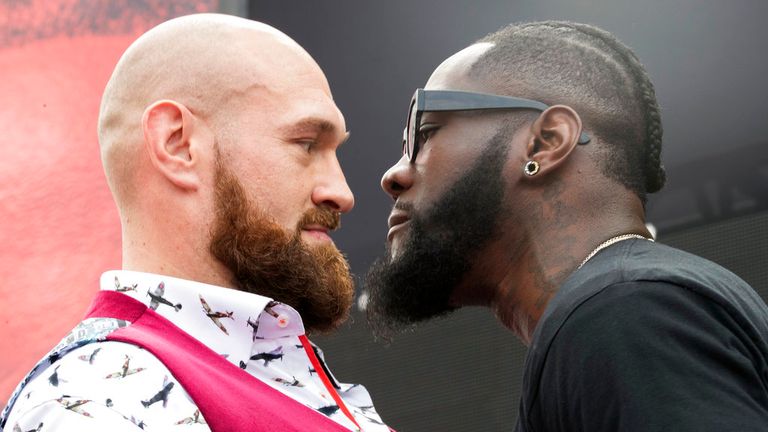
(226, 320)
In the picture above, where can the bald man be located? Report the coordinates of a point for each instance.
(218, 137)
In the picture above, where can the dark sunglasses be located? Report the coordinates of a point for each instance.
(451, 100)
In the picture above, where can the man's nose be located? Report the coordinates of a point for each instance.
(333, 191)
(398, 178)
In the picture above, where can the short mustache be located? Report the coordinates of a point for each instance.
(403, 206)
(322, 216)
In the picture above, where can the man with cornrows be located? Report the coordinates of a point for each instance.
(527, 159)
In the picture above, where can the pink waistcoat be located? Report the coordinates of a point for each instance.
(229, 398)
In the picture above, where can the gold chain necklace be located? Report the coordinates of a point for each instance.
(611, 241)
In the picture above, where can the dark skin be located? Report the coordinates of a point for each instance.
(551, 221)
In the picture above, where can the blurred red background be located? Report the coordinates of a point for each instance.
(59, 229)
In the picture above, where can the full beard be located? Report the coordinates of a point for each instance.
(440, 248)
(265, 259)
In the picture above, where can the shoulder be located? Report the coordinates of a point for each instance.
(654, 354)
(112, 381)
(630, 313)
(658, 286)
(642, 318)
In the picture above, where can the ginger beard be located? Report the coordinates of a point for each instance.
(266, 260)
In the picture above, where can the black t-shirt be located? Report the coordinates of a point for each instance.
(645, 337)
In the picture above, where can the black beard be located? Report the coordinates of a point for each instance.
(440, 247)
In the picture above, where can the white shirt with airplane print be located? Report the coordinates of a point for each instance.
(113, 386)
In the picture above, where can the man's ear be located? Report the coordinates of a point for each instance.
(555, 134)
(169, 128)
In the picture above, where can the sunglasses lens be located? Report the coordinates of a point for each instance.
(405, 141)
(411, 131)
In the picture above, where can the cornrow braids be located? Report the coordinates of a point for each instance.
(589, 69)
(654, 170)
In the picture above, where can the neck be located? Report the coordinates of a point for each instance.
(527, 282)
(184, 254)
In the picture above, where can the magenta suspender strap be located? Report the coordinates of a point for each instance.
(229, 398)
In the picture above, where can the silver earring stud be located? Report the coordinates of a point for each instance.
(531, 168)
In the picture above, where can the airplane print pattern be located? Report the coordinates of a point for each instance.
(106, 385)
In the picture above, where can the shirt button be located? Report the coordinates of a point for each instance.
(282, 321)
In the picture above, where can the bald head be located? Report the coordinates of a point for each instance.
(208, 63)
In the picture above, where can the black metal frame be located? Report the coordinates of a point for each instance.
(453, 100)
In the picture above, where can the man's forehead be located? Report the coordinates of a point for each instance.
(313, 124)
(271, 65)
(453, 72)
(309, 116)
(302, 100)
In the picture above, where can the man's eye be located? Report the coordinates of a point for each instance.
(306, 144)
(425, 133)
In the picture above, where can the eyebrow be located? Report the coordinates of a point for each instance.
(314, 124)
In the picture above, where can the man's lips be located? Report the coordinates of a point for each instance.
(317, 231)
(397, 219)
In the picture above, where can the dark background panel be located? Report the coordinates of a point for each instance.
(707, 61)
